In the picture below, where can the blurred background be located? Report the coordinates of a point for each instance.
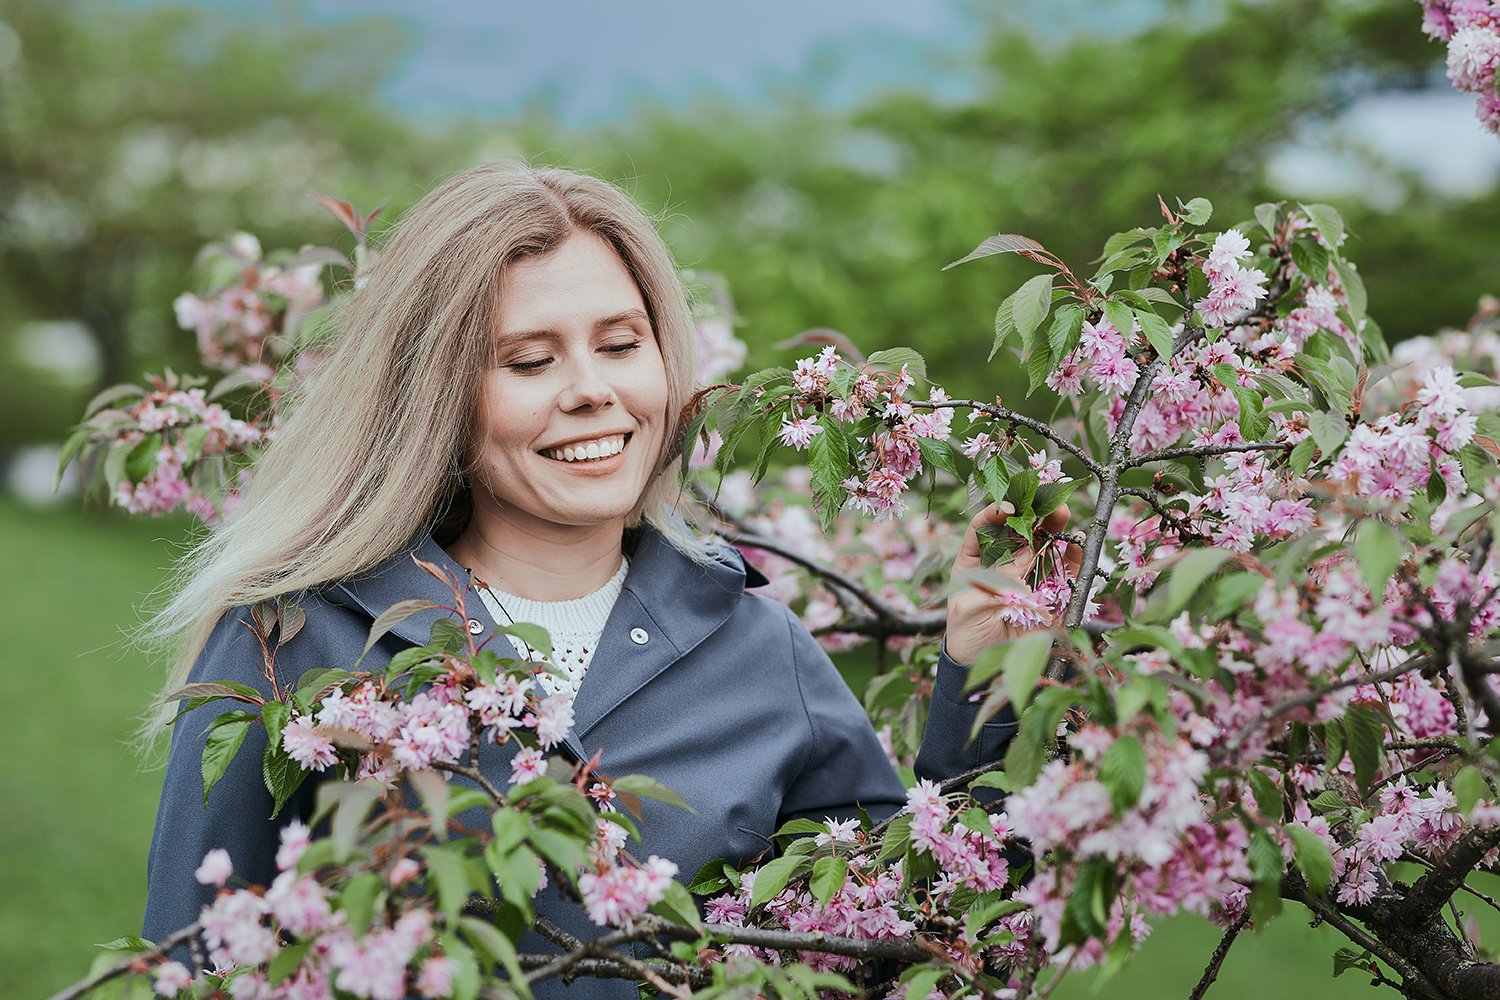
(826, 157)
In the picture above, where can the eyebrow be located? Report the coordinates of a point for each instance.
(520, 336)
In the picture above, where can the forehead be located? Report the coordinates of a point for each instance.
(578, 283)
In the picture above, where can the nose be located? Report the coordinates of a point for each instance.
(587, 389)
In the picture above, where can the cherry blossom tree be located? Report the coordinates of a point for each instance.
(1252, 630)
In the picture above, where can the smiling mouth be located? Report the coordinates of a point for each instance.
(589, 451)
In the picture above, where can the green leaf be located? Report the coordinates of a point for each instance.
(1379, 548)
(897, 838)
(1265, 214)
(464, 968)
(1001, 243)
(1327, 221)
(1234, 591)
(828, 877)
(352, 801)
(650, 788)
(1354, 287)
(895, 357)
(1067, 326)
(1313, 858)
(223, 742)
(1023, 760)
(1120, 317)
(448, 635)
(938, 454)
(1267, 795)
(1005, 325)
(1122, 772)
(532, 635)
(1301, 456)
(1158, 333)
(773, 876)
(710, 880)
(1032, 302)
(390, 618)
(1197, 212)
(1366, 740)
(1329, 430)
(1086, 914)
(1469, 787)
(828, 457)
(1024, 663)
(920, 979)
(678, 906)
(1264, 858)
(1345, 959)
(1050, 496)
(359, 898)
(1336, 744)
(496, 949)
(1038, 366)
(286, 961)
(794, 827)
(1311, 259)
(450, 874)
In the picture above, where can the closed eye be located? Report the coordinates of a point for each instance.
(621, 349)
(529, 366)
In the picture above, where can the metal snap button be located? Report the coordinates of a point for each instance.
(638, 636)
(475, 626)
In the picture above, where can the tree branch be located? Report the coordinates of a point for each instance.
(1431, 891)
(1212, 972)
(1203, 451)
(165, 947)
(998, 412)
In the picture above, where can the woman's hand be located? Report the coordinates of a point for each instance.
(973, 620)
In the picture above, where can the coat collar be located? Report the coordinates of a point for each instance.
(669, 601)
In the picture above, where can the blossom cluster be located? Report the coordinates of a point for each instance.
(1472, 30)
(894, 455)
(240, 325)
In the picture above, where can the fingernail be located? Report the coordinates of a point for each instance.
(1006, 508)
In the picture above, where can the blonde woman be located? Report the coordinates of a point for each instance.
(502, 400)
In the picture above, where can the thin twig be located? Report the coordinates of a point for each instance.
(165, 947)
(1203, 451)
(998, 412)
(1318, 694)
(1212, 972)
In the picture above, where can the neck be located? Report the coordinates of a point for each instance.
(538, 560)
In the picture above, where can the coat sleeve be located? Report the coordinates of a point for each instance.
(237, 813)
(846, 768)
(946, 749)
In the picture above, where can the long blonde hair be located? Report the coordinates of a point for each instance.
(372, 452)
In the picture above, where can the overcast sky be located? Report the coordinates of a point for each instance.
(587, 59)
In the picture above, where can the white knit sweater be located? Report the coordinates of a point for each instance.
(575, 627)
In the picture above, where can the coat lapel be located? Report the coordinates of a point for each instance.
(669, 600)
(674, 602)
(400, 579)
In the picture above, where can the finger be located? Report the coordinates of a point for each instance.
(993, 515)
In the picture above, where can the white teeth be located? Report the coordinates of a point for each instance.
(589, 451)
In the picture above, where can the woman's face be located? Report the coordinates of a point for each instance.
(573, 412)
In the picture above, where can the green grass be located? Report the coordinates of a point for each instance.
(76, 809)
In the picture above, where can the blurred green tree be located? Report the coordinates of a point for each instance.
(830, 219)
(130, 137)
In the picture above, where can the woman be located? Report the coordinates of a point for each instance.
(503, 401)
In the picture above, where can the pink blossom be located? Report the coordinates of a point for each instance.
(1473, 53)
(216, 867)
(171, 978)
(299, 903)
(403, 871)
(527, 765)
(553, 720)
(306, 745)
(798, 433)
(295, 839)
(436, 978)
